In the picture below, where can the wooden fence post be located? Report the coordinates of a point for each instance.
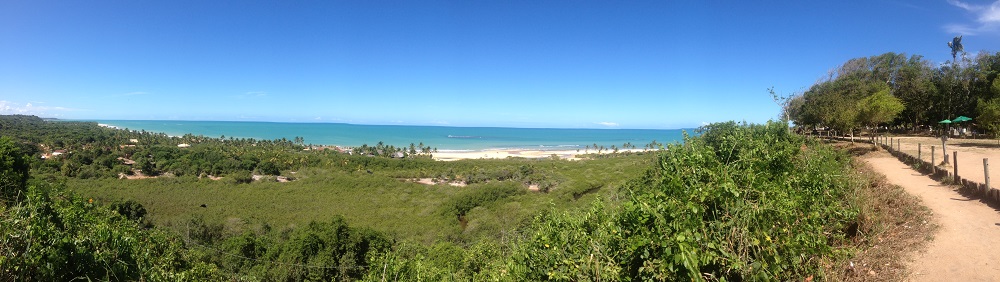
(986, 173)
(933, 164)
(944, 148)
(954, 159)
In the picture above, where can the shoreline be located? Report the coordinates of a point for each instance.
(566, 152)
(518, 153)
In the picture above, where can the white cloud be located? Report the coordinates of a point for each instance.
(607, 123)
(987, 18)
(965, 6)
(15, 108)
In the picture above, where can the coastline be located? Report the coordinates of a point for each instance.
(445, 151)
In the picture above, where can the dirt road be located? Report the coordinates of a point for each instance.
(965, 246)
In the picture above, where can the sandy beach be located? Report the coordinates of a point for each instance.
(522, 153)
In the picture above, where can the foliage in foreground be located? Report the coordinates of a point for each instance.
(53, 236)
(741, 202)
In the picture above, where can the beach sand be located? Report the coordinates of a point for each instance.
(522, 153)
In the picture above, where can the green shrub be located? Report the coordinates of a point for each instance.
(130, 209)
(240, 177)
(325, 251)
(54, 236)
(742, 202)
(13, 171)
(475, 196)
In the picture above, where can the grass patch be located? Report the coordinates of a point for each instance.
(377, 200)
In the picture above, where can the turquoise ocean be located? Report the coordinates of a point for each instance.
(442, 137)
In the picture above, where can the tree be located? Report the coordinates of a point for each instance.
(147, 166)
(13, 170)
(956, 47)
(989, 116)
(782, 101)
(879, 108)
(915, 88)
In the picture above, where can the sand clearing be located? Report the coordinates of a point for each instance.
(431, 181)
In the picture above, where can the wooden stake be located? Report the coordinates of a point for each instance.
(986, 173)
(954, 159)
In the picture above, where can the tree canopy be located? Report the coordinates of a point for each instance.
(894, 89)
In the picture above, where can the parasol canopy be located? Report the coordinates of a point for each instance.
(945, 121)
(961, 119)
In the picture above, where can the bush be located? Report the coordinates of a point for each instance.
(13, 170)
(481, 195)
(55, 236)
(130, 209)
(241, 177)
(268, 168)
(325, 251)
(742, 202)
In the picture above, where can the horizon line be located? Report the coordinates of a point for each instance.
(370, 124)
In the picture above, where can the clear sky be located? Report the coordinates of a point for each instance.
(590, 64)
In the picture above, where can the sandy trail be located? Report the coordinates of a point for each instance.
(962, 249)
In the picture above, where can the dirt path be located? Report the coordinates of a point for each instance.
(963, 247)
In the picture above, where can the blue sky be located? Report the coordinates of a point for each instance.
(590, 64)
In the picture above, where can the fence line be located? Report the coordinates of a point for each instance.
(973, 189)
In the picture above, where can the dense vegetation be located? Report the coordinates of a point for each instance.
(907, 92)
(738, 202)
(741, 202)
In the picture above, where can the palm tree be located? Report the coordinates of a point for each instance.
(956, 47)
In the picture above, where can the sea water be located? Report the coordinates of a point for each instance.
(443, 138)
